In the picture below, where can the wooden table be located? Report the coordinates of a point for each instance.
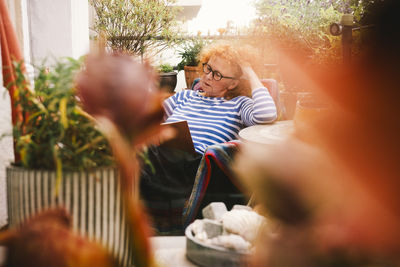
(267, 133)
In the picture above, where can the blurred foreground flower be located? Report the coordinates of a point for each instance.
(336, 196)
(120, 93)
(122, 90)
(48, 240)
(325, 215)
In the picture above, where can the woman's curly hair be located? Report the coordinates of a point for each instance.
(234, 54)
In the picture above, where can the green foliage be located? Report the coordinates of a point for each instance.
(304, 25)
(166, 67)
(136, 26)
(55, 132)
(190, 52)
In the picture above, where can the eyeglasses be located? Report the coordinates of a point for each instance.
(215, 74)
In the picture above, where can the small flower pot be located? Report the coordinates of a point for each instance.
(168, 81)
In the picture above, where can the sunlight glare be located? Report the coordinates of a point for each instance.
(215, 14)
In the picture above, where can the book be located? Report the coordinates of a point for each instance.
(182, 139)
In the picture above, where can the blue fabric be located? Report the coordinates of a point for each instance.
(222, 155)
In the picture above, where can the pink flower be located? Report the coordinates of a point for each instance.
(119, 88)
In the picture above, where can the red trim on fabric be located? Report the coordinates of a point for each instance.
(229, 174)
(206, 180)
(10, 50)
(226, 171)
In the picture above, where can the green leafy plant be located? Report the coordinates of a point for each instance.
(136, 26)
(304, 25)
(165, 68)
(55, 133)
(190, 53)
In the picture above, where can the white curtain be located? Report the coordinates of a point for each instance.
(6, 149)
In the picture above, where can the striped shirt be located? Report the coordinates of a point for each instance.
(214, 120)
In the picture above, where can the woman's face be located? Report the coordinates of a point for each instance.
(213, 88)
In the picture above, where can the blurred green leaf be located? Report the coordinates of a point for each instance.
(54, 120)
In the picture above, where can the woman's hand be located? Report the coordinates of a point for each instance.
(247, 70)
(250, 75)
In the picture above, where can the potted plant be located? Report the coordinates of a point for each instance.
(168, 77)
(190, 61)
(64, 160)
(136, 27)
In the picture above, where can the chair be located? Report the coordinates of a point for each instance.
(273, 89)
(195, 84)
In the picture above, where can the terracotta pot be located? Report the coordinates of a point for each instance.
(168, 81)
(309, 110)
(191, 73)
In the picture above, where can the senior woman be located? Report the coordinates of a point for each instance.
(230, 97)
(219, 109)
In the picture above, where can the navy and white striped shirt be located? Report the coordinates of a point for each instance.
(214, 120)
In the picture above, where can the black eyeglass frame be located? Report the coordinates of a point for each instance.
(209, 69)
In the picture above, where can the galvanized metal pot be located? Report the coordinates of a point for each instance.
(93, 198)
